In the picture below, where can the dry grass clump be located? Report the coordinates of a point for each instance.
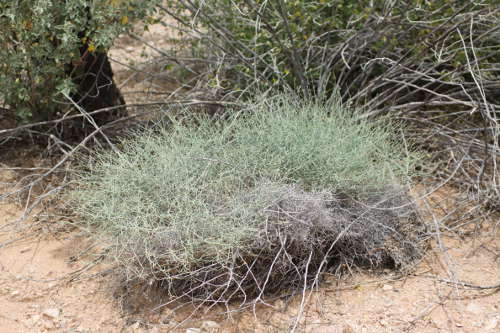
(255, 205)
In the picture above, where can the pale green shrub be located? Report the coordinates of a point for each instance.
(199, 205)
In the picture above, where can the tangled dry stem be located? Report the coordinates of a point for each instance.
(303, 235)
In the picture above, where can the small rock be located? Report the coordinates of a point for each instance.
(474, 308)
(26, 298)
(387, 287)
(209, 325)
(492, 324)
(15, 293)
(328, 329)
(48, 324)
(135, 325)
(34, 320)
(348, 329)
(52, 313)
(193, 330)
(136, 328)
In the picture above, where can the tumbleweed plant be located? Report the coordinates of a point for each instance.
(257, 203)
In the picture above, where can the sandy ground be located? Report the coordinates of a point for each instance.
(43, 288)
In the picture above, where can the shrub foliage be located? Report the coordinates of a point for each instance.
(434, 64)
(256, 204)
(317, 45)
(41, 42)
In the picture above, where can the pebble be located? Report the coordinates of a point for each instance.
(135, 325)
(492, 324)
(209, 325)
(52, 313)
(474, 308)
(48, 324)
(136, 328)
(387, 287)
(348, 329)
(193, 330)
(328, 329)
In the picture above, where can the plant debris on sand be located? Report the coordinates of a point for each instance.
(259, 204)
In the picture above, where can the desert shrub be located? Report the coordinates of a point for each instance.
(310, 45)
(253, 204)
(43, 40)
(434, 64)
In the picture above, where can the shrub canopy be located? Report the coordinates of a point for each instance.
(224, 198)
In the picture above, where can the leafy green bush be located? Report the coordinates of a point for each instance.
(41, 39)
(203, 206)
